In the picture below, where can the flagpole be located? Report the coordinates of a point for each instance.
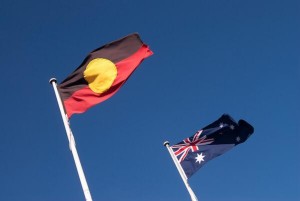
(181, 172)
(72, 144)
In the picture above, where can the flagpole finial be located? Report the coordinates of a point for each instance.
(52, 80)
(166, 143)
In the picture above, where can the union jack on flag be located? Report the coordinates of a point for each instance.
(182, 149)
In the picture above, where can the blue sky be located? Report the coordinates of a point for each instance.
(210, 57)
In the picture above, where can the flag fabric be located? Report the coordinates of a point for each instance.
(102, 73)
(210, 142)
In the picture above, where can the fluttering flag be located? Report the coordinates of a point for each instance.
(102, 73)
(211, 141)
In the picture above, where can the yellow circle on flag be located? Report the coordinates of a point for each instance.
(100, 73)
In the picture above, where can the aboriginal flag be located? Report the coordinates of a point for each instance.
(210, 142)
(102, 73)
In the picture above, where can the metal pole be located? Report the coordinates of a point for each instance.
(72, 144)
(181, 172)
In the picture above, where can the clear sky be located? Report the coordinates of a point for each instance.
(210, 57)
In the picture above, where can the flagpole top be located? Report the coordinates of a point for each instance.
(166, 143)
(52, 80)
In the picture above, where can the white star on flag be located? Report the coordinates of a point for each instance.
(199, 158)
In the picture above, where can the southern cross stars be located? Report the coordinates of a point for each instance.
(199, 158)
(222, 125)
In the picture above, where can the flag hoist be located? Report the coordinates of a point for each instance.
(72, 144)
(211, 141)
(102, 73)
(181, 172)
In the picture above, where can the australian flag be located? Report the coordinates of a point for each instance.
(210, 142)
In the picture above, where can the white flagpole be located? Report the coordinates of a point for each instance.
(72, 144)
(181, 172)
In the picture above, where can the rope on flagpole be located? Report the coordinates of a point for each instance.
(181, 172)
(72, 144)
